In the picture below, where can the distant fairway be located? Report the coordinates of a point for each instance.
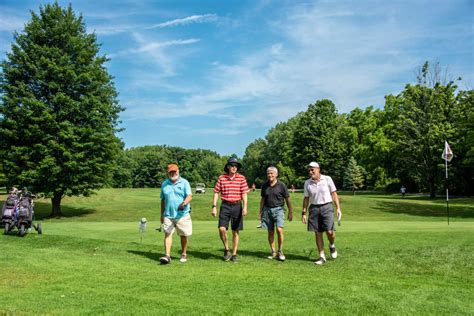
(396, 257)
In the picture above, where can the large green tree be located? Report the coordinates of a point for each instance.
(254, 162)
(59, 109)
(324, 136)
(427, 115)
(462, 143)
(373, 148)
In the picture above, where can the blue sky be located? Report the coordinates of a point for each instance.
(218, 74)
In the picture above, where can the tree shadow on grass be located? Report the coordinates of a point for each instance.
(416, 209)
(43, 211)
(439, 199)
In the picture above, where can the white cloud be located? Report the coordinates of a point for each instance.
(11, 23)
(112, 29)
(353, 56)
(154, 46)
(187, 20)
(325, 55)
(157, 56)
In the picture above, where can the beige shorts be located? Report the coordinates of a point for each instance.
(183, 225)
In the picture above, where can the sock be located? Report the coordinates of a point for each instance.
(322, 255)
(332, 246)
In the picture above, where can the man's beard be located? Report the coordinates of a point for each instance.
(174, 178)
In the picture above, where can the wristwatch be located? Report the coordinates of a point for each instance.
(213, 205)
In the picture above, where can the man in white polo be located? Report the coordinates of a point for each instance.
(319, 194)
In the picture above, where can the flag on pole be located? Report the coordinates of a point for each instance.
(447, 153)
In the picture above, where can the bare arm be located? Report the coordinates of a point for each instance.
(335, 199)
(261, 209)
(162, 210)
(214, 204)
(186, 201)
(305, 208)
(290, 208)
(244, 208)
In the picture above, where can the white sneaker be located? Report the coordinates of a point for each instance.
(333, 252)
(281, 256)
(273, 255)
(320, 261)
(183, 258)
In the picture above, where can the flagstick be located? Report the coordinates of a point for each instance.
(447, 195)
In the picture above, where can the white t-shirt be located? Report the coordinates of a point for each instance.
(319, 192)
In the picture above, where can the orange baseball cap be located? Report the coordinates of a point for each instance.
(172, 167)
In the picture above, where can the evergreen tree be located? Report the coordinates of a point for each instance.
(59, 109)
(353, 176)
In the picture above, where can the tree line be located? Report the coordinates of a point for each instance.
(145, 167)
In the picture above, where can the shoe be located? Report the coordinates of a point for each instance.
(281, 256)
(183, 258)
(273, 255)
(333, 252)
(227, 255)
(235, 259)
(320, 261)
(259, 225)
(165, 260)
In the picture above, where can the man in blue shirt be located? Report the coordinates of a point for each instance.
(175, 196)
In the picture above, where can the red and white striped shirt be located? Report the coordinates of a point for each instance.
(231, 190)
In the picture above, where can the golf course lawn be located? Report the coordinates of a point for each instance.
(396, 256)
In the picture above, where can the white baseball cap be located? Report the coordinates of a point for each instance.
(313, 164)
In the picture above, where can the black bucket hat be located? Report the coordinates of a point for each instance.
(232, 160)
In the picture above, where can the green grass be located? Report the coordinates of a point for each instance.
(132, 204)
(396, 257)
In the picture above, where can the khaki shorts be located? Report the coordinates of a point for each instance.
(183, 225)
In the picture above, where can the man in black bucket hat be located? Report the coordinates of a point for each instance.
(233, 189)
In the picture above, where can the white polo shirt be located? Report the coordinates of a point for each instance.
(319, 192)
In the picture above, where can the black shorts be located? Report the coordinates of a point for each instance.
(321, 218)
(232, 213)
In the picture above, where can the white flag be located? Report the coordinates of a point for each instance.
(447, 153)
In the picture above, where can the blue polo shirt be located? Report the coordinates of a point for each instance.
(174, 194)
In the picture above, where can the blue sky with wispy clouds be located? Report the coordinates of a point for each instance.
(219, 74)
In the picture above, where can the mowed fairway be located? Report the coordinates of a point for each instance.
(396, 256)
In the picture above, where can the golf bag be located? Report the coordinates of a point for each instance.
(18, 212)
(24, 215)
(9, 211)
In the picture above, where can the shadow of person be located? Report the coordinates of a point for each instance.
(205, 255)
(147, 254)
(265, 254)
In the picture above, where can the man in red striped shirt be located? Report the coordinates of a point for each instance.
(233, 189)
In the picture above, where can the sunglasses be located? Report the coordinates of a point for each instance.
(233, 165)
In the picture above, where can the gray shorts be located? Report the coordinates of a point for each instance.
(272, 216)
(321, 218)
